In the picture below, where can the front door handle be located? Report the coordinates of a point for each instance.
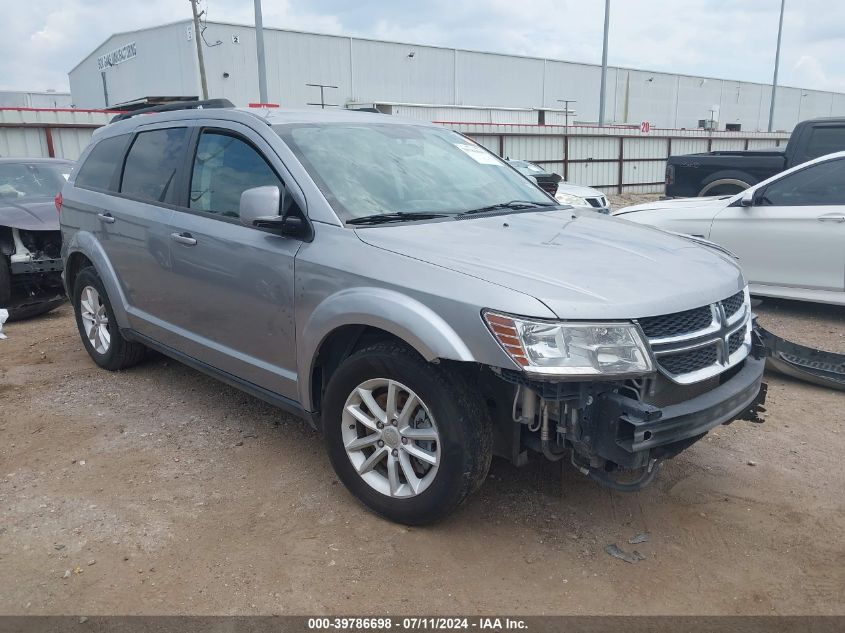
(184, 238)
(108, 218)
(832, 217)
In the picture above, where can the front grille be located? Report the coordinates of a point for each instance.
(735, 341)
(677, 323)
(698, 344)
(548, 187)
(598, 203)
(690, 361)
(733, 304)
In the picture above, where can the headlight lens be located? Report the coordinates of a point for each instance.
(568, 198)
(571, 349)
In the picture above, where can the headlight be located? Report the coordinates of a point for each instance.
(568, 198)
(571, 349)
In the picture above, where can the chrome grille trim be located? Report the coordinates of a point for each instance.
(719, 334)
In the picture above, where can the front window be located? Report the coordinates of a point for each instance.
(20, 181)
(367, 169)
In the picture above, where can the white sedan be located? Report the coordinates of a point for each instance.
(788, 231)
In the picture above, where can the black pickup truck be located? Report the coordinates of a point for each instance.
(723, 173)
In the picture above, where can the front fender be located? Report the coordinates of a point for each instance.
(406, 318)
(85, 243)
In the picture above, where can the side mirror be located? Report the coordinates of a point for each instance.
(259, 203)
(259, 208)
(747, 199)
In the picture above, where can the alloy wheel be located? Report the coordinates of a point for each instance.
(95, 319)
(391, 438)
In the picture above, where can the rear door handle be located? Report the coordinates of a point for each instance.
(108, 218)
(184, 238)
(832, 217)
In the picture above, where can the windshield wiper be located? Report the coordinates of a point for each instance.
(399, 216)
(516, 205)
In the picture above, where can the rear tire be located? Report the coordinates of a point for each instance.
(97, 326)
(431, 477)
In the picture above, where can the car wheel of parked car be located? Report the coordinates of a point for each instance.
(408, 438)
(97, 325)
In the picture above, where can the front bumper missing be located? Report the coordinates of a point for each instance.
(630, 432)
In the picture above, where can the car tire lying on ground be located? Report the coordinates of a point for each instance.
(98, 327)
(409, 439)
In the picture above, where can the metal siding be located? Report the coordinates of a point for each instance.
(696, 95)
(534, 148)
(591, 147)
(373, 71)
(70, 142)
(383, 71)
(681, 146)
(490, 142)
(498, 80)
(23, 142)
(164, 65)
(637, 171)
(577, 82)
(592, 174)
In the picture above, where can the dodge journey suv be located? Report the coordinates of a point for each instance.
(407, 292)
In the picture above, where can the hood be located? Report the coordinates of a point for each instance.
(582, 265)
(36, 214)
(679, 204)
(578, 190)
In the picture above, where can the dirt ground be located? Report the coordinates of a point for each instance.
(159, 490)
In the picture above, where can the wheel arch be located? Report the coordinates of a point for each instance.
(733, 178)
(84, 250)
(351, 318)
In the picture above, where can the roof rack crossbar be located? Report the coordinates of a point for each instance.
(176, 105)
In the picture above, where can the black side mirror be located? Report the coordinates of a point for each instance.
(289, 226)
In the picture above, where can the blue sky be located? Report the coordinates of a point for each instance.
(44, 39)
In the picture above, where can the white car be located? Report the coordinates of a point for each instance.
(581, 197)
(788, 231)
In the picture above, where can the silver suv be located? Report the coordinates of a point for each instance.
(406, 291)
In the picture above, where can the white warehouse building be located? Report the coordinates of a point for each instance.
(434, 83)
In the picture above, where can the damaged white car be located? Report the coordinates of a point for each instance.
(30, 239)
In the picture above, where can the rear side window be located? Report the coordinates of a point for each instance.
(225, 167)
(825, 140)
(152, 163)
(98, 170)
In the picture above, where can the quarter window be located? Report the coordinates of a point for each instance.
(225, 167)
(97, 172)
(819, 184)
(152, 163)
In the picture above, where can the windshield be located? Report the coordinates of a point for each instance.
(367, 169)
(19, 181)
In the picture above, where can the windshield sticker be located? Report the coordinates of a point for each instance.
(478, 154)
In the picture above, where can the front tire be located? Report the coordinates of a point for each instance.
(409, 439)
(97, 326)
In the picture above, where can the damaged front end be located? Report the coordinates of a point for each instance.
(32, 259)
(710, 363)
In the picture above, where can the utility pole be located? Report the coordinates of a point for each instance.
(566, 103)
(604, 62)
(197, 39)
(777, 62)
(259, 42)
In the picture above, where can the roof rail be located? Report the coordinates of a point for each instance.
(176, 105)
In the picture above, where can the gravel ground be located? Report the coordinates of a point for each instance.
(159, 490)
